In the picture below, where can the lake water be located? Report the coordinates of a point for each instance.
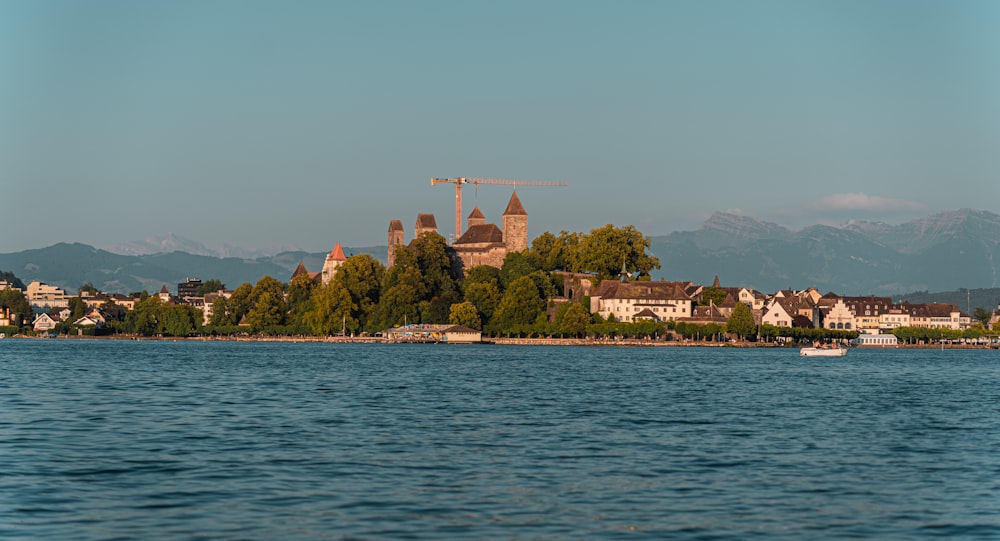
(189, 440)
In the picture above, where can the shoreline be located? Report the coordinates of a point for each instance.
(493, 341)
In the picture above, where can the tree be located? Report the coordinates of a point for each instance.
(267, 311)
(574, 319)
(605, 249)
(465, 314)
(520, 304)
(88, 288)
(982, 315)
(550, 252)
(209, 286)
(398, 305)
(144, 319)
(299, 300)
(485, 296)
(362, 276)
(238, 304)
(714, 295)
(331, 310)
(515, 265)
(741, 321)
(438, 264)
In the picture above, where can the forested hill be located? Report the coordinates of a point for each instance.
(71, 265)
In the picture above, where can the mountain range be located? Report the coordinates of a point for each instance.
(69, 266)
(945, 251)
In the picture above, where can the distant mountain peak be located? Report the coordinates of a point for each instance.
(173, 243)
(743, 227)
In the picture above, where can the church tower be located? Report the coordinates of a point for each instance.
(333, 260)
(515, 225)
(395, 239)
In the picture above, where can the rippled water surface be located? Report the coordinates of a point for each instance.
(165, 440)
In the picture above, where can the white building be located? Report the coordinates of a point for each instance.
(40, 295)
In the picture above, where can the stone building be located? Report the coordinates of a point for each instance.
(482, 243)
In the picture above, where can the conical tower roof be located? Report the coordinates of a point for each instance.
(337, 254)
(301, 269)
(515, 208)
(477, 214)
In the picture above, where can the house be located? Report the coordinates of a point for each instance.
(778, 313)
(624, 300)
(45, 322)
(6, 318)
(867, 311)
(835, 313)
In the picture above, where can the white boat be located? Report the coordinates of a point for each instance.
(823, 352)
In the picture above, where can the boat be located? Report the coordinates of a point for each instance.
(823, 351)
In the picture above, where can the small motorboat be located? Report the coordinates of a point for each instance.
(823, 351)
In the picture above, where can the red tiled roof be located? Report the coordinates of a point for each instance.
(337, 254)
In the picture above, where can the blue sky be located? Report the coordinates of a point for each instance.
(310, 123)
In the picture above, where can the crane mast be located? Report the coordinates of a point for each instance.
(459, 181)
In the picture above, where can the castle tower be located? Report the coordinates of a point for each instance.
(395, 239)
(515, 225)
(333, 260)
(476, 217)
(425, 224)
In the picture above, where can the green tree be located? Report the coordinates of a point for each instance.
(982, 315)
(178, 320)
(238, 304)
(605, 249)
(520, 304)
(77, 307)
(741, 321)
(396, 306)
(144, 319)
(209, 286)
(362, 276)
(515, 265)
(465, 314)
(331, 310)
(89, 288)
(481, 274)
(714, 295)
(485, 296)
(549, 252)
(438, 264)
(267, 311)
(299, 300)
(574, 319)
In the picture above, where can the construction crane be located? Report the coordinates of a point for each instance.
(459, 181)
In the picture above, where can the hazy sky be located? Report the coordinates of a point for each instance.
(310, 123)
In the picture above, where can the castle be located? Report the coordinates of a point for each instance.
(482, 243)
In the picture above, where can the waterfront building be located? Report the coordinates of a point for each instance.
(625, 300)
